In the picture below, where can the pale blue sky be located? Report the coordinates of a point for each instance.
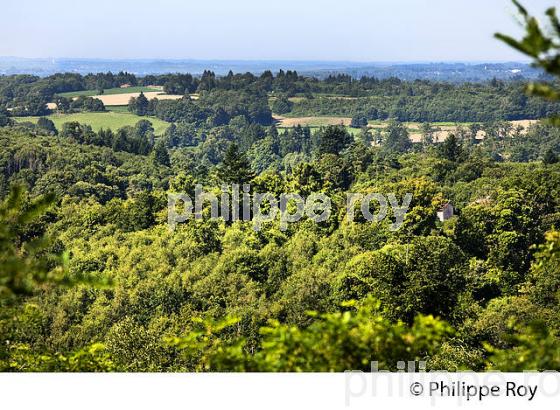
(351, 30)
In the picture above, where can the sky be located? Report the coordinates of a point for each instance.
(307, 30)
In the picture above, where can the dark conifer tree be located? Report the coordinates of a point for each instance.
(142, 105)
(235, 168)
(334, 139)
(161, 156)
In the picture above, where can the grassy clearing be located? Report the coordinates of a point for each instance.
(97, 120)
(284, 122)
(118, 108)
(110, 91)
(353, 131)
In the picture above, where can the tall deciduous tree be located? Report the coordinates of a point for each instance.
(396, 138)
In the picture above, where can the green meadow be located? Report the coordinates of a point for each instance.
(97, 120)
(117, 108)
(109, 91)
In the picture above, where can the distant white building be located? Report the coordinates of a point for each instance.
(445, 212)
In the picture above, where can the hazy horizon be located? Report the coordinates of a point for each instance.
(357, 31)
(519, 60)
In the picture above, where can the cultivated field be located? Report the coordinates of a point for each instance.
(446, 128)
(98, 120)
(123, 99)
(413, 127)
(121, 96)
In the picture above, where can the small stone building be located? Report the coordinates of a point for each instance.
(445, 212)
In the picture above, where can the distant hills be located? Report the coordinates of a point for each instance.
(444, 71)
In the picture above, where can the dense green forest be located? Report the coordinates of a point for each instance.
(94, 280)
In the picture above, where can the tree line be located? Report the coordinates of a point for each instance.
(419, 100)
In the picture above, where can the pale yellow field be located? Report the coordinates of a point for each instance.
(284, 122)
(123, 99)
(413, 127)
(446, 130)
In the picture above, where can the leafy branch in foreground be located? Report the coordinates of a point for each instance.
(25, 256)
(334, 342)
(29, 259)
(542, 45)
(93, 358)
(28, 255)
(535, 348)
